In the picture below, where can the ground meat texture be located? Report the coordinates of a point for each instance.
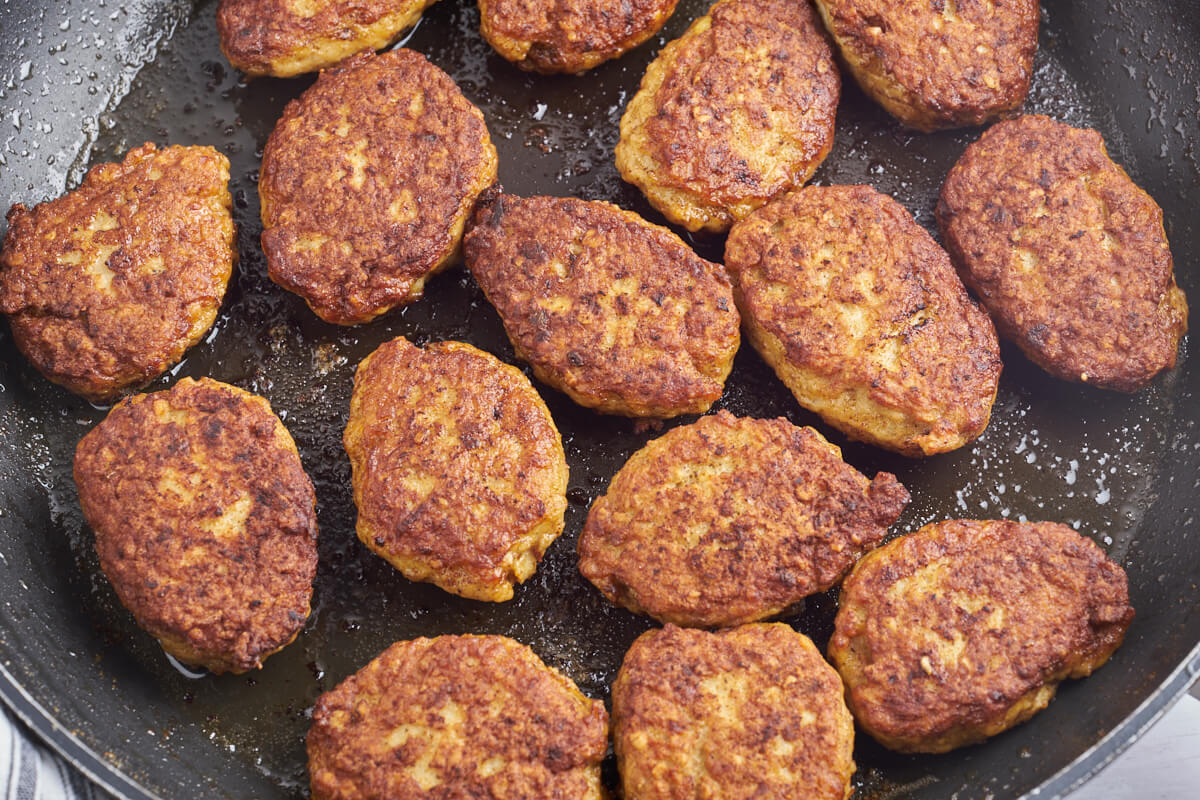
(938, 64)
(205, 521)
(1066, 252)
(283, 38)
(572, 36)
(366, 184)
(458, 471)
(733, 113)
(730, 520)
(618, 313)
(107, 286)
(457, 716)
(965, 628)
(749, 712)
(862, 316)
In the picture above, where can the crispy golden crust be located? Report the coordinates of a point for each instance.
(205, 521)
(746, 712)
(965, 628)
(730, 520)
(457, 716)
(573, 36)
(367, 181)
(459, 473)
(736, 111)
(108, 285)
(283, 38)
(1067, 253)
(861, 315)
(938, 64)
(618, 313)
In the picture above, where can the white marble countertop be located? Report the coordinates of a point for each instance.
(1163, 765)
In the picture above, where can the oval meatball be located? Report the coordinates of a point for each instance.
(107, 286)
(1068, 254)
(367, 181)
(961, 630)
(861, 315)
(733, 113)
(205, 521)
(617, 313)
(458, 471)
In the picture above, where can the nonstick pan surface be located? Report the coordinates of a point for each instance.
(81, 82)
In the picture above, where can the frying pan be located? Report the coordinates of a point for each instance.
(83, 80)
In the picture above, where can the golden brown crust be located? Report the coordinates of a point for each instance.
(861, 315)
(730, 520)
(205, 521)
(1067, 253)
(736, 111)
(283, 38)
(572, 36)
(746, 712)
(459, 473)
(457, 716)
(618, 313)
(366, 184)
(108, 285)
(938, 64)
(965, 628)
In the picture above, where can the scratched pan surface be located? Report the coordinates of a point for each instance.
(80, 82)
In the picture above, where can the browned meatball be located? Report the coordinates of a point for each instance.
(734, 112)
(459, 473)
(861, 315)
(618, 313)
(732, 520)
(965, 628)
(107, 286)
(1067, 253)
(938, 64)
(283, 38)
(457, 716)
(366, 184)
(205, 521)
(749, 712)
(569, 35)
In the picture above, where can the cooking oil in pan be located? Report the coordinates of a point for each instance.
(1053, 451)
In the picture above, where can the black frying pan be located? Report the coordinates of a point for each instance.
(1124, 469)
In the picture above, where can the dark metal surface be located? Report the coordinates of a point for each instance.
(1125, 470)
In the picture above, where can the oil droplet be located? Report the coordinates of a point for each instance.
(184, 670)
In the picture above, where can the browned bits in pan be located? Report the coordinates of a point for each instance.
(732, 520)
(736, 111)
(569, 35)
(965, 628)
(457, 716)
(367, 181)
(205, 521)
(746, 712)
(108, 285)
(618, 313)
(861, 315)
(283, 38)
(1067, 253)
(939, 63)
(459, 473)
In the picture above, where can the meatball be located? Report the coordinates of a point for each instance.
(1067, 253)
(205, 521)
(458, 471)
(107, 286)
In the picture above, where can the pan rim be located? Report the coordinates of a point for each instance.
(66, 744)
